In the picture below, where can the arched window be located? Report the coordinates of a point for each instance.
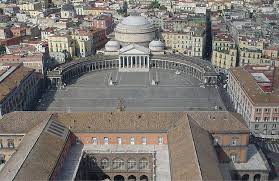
(118, 164)
(132, 164)
(132, 178)
(118, 178)
(245, 177)
(104, 163)
(235, 141)
(144, 178)
(105, 177)
(233, 157)
(257, 177)
(143, 164)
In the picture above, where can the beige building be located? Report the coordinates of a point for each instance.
(61, 46)
(224, 52)
(95, 11)
(253, 91)
(81, 43)
(191, 43)
(84, 43)
(36, 6)
(255, 52)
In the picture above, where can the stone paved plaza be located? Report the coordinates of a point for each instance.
(92, 92)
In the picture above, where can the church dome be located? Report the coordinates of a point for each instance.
(135, 29)
(112, 46)
(156, 45)
(134, 24)
(136, 21)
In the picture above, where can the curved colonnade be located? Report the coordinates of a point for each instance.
(60, 76)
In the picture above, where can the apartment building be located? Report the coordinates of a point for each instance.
(224, 52)
(253, 91)
(61, 47)
(95, 11)
(183, 21)
(84, 42)
(191, 43)
(19, 87)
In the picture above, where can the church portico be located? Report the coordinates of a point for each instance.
(134, 58)
(134, 63)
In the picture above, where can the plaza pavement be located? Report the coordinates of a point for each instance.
(92, 92)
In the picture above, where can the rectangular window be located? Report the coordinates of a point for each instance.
(256, 126)
(273, 126)
(11, 143)
(143, 140)
(119, 141)
(94, 141)
(258, 110)
(266, 119)
(233, 158)
(265, 126)
(216, 140)
(257, 119)
(132, 140)
(1, 143)
(106, 140)
(275, 119)
(266, 110)
(160, 140)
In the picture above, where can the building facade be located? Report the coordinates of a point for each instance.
(224, 52)
(190, 43)
(129, 145)
(253, 92)
(19, 88)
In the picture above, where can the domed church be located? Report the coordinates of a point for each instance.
(135, 29)
(134, 42)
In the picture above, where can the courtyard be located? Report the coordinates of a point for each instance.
(93, 92)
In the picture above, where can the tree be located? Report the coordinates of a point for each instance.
(2, 49)
(155, 4)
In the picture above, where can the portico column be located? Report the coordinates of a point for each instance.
(147, 62)
(120, 60)
(140, 61)
(144, 61)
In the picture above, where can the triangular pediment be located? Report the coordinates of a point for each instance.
(134, 49)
